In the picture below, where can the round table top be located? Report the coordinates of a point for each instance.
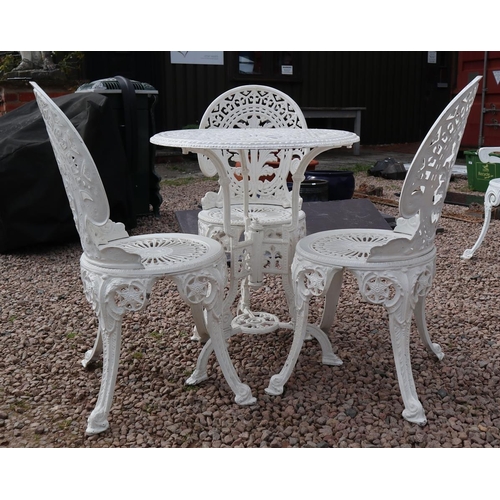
(254, 138)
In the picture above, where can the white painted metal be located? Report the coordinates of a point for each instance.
(491, 197)
(118, 271)
(259, 197)
(393, 268)
(249, 260)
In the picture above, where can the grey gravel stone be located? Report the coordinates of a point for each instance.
(47, 395)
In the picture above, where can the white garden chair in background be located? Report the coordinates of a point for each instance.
(261, 190)
(491, 197)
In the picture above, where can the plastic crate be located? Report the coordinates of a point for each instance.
(479, 174)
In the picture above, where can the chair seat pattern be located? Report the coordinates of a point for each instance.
(345, 247)
(263, 214)
(161, 253)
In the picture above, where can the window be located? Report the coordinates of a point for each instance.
(264, 66)
(250, 63)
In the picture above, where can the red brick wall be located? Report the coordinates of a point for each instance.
(15, 93)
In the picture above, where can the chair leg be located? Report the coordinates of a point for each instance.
(111, 298)
(400, 339)
(331, 301)
(200, 372)
(421, 323)
(98, 419)
(396, 291)
(309, 280)
(278, 381)
(328, 357)
(422, 286)
(94, 353)
(289, 295)
(200, 331)
(206, 287)
(491, 199)
(321, 332)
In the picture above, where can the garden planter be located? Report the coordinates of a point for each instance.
(340, 182)
(312, 189)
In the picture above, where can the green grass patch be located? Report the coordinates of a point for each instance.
(359, 167)
(19, 406)
(150, 408)
(64, 424)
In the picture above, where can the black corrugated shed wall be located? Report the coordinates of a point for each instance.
(402, 91)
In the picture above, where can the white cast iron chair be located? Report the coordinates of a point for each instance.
(118, 271)
(491, 197)
(393, 268)
(261, 192)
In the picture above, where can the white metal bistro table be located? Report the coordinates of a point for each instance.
(212, 142)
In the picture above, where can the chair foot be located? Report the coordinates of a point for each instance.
(196, 377)
(93, 354)
(197, 337)
(331, 360)
(244, 396)
(96, 424)
(415, 416)
(467, 255)
(328, 356)
(88, 358)
(438, 352)
(275, 387)
(242, 392)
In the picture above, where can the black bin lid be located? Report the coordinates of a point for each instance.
(111, 86)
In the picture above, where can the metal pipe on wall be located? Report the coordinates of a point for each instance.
(483, 98)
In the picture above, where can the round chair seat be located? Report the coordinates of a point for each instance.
(172, 252)
(344, 248)
(263, 214)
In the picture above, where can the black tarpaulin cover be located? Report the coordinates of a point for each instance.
(34, 208)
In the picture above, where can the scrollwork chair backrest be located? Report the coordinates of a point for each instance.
(255, 106)
(426, 183)
(86, 194)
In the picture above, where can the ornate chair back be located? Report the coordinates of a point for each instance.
(254, 106)
(84, 188)
(426, 183)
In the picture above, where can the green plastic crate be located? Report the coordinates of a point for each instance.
(479, 174)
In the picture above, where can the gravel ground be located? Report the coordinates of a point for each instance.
(46, 325)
